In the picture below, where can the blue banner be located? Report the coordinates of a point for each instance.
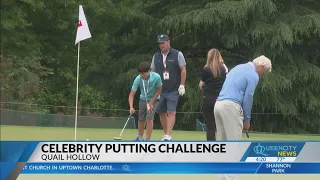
(185, 157)
(12, 152)
(16, 151)
(171, 168)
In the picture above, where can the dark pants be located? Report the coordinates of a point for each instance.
(208, 115)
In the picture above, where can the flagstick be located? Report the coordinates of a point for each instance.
(76, 117)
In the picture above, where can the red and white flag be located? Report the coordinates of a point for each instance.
(83, 31)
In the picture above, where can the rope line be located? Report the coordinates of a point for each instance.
(124, 110)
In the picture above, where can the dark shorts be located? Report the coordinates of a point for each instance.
(168, 102)
(143, 114)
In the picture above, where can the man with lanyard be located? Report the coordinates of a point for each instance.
(170, 64)
(150, 85)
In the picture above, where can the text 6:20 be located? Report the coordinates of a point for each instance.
(261, 159)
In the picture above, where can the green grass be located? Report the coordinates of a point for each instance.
(60, 133)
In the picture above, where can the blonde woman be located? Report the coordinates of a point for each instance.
(212, 78)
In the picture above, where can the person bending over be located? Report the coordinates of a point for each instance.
(232, 110)
(150, 85)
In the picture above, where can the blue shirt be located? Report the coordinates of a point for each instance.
(239, 87)
(150, 85)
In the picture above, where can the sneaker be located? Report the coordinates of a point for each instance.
(139, 138)
(166, 138)
(147, 139)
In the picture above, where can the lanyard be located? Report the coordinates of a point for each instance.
(164, 57)
(144, 88)
(145, 93)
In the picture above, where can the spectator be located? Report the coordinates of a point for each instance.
(212, 78)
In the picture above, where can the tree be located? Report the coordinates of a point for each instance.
(20, 52)
(38, 56)
(286, 32)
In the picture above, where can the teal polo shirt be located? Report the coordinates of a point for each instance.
(151, 85)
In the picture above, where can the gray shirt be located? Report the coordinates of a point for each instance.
(181, 60)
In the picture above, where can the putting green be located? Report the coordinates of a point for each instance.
(60, 133)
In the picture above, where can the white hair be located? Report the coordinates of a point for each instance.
(263, 61)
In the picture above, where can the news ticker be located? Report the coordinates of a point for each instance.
(160, 157)
(171, 168)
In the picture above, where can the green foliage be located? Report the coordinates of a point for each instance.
(38, 56)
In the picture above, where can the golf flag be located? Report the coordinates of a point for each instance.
(83, 31)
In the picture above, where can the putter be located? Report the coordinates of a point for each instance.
(247, 133)
(119, 137)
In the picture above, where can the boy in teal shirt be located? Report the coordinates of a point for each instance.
(150, 85)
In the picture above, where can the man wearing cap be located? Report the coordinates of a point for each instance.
(170, 64)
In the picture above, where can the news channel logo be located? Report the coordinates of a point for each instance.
(279, 150)
(260, 150)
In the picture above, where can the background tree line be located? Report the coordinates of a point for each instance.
(38, 56)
